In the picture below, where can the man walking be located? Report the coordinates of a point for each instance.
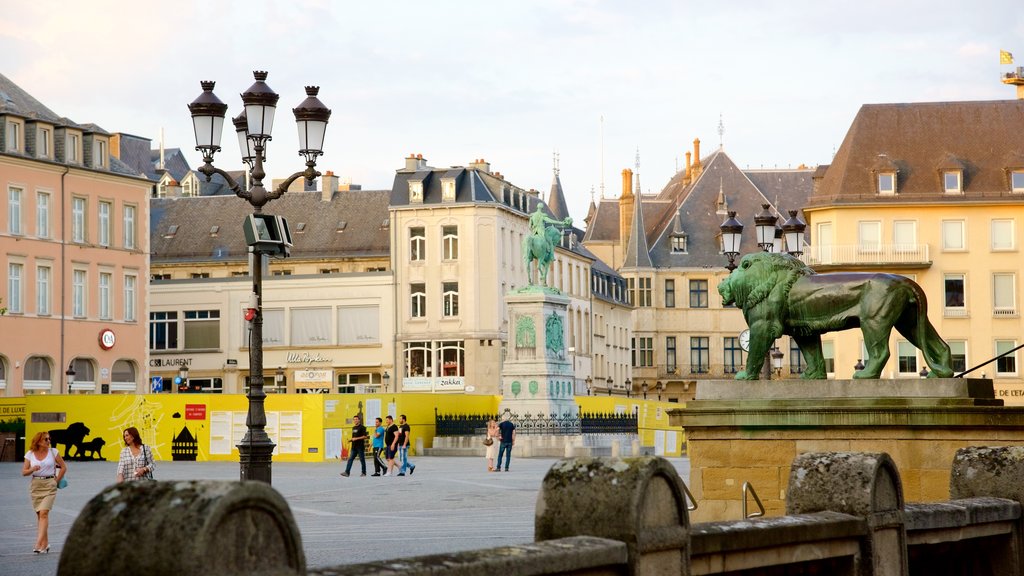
(508, 438)
(390, 444)
(358, 445)
(378, 447)
(404, 434)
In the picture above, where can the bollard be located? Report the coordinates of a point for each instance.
(635, 447)
(184, 527)
(860, 484)
(638, 501)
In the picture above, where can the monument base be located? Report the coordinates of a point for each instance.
(750, 431)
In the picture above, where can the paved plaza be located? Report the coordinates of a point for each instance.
(449, 504)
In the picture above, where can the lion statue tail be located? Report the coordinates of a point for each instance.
(936, 352)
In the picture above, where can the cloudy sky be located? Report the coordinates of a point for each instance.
(513, 82)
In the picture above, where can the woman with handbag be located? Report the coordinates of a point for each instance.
(491, 442)
(136, 462)
(47, 468)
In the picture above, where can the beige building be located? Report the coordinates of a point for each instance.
(935, 192)
(73, 242)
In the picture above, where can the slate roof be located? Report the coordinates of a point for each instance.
(920, 140)
(174, 162)
(17, 102)
(556, 199)
(637, 250)
(134, 151)
(365, 232)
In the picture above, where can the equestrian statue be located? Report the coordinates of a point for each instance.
(540, 244)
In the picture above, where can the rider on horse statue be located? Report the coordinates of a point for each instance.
(540, 244)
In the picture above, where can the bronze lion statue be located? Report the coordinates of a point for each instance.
(780, 295)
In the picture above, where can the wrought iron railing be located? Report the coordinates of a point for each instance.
(546, 424)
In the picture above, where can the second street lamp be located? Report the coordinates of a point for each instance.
(253, 128)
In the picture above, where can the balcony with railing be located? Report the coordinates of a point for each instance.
(868, 256)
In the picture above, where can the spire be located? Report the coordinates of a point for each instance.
(636, 172)
(721, 131)
(638, 254)
(556, 198)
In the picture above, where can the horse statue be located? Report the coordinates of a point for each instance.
(541, 249)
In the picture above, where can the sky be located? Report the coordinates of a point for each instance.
(515, 82)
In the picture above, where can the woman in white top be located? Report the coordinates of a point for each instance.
(492, 449)
(46, 467)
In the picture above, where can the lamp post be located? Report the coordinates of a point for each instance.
(777, 361)
(764, 224)
(643, 386)
(609, 382)
(387, 381)
(793, 230)
(260, 104)
(590, 383)
(182, 379)
(70, 375)
(629, 388)
(732, 233)
(660, 386)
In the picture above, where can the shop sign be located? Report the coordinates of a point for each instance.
(313, 376)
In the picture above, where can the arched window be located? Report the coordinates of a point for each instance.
(37, 376)
(85, 377)
(122, 377)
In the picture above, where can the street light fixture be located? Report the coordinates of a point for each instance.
(387, 381)
(764, 224)
(732, 233)
(70, 374)
(590, 383)
(609, 382)
(793, 229)
(629, 387)
(660, 386)
(777, 360)
(182, 379)
(859, 365)
(643, 386)
(924, 372)
(253, 128)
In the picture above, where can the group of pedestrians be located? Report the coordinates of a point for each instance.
(47, 469)
(390, 443)
(499, 441)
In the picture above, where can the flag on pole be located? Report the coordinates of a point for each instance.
(1005, 57)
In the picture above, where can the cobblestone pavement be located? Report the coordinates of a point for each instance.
(448, 504)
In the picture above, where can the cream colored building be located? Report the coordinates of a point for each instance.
(935, 192)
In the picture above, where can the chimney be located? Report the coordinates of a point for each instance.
(115, 145)
(627, 183)
(696, 169)
(688, 173)
(626, 207)
(415, 163)
(328, 186)
(481, 165)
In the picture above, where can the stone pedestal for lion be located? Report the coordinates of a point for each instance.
(750, 431)
(537, 375)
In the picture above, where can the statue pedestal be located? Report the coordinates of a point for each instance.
(750, 431)
(537, 376)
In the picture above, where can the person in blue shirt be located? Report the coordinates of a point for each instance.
(379, 465)
(507, 430)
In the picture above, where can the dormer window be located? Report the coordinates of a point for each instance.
(679, 243)
(416, 191)
(952, 182)
(13, 135)
(1017, 181)
(99, 152)
(887, 183)
(73, 148)
(448, 190)
(44, 142)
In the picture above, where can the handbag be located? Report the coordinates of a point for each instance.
(488, 441)
(62, 483)
(149, 463)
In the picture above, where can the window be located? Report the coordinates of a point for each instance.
(450, 299)
(953, 285)
(416, 191)
(417, 244)
(163, 330)
(733, 358)
(105, 296)
(14, 288)
(14, 210)
(1004, 301)
(419, 359)
(159, 276)
(71, 148)
(698, 293)
(869, 236)
(796, 359)
(670, 293)
(700, 356)
(452, 357)
(906, 355)
(311, 326)
(959, 350)
(952, 234)
(43, 143)
(1002, 235)
(13, 136)
(78, 293)
(670, 354)
(207, 274)
(78, 220)
(887, 183)
(643, 353)
(904, 235)
(129, 298)
(273, 327)
(42, 215)
(358, 325)
(202, 329)
(129, 227)
(1007, 365)
(450, 242)
(1017, 181)
(186, 188)
(418, 293)
(448, 190)
(103, 233)
(99, 153)
(828, 351)
(644, 292)
(679, 244)
(278, 272)
(951, 182)
(43, 290)
(631, 290)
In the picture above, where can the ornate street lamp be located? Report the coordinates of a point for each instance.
(777, 360)
(182, 379)
(643, 386)
(660, 386)
(253, 128)
(609, 382)
(732, 233)
(793, 229)
(590, 383)
(629, 387)
(70, 375)
(859, 365)
(764, 224)
(387, 381)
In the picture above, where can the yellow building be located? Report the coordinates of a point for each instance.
(935, 192)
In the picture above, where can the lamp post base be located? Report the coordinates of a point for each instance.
(254, 457)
